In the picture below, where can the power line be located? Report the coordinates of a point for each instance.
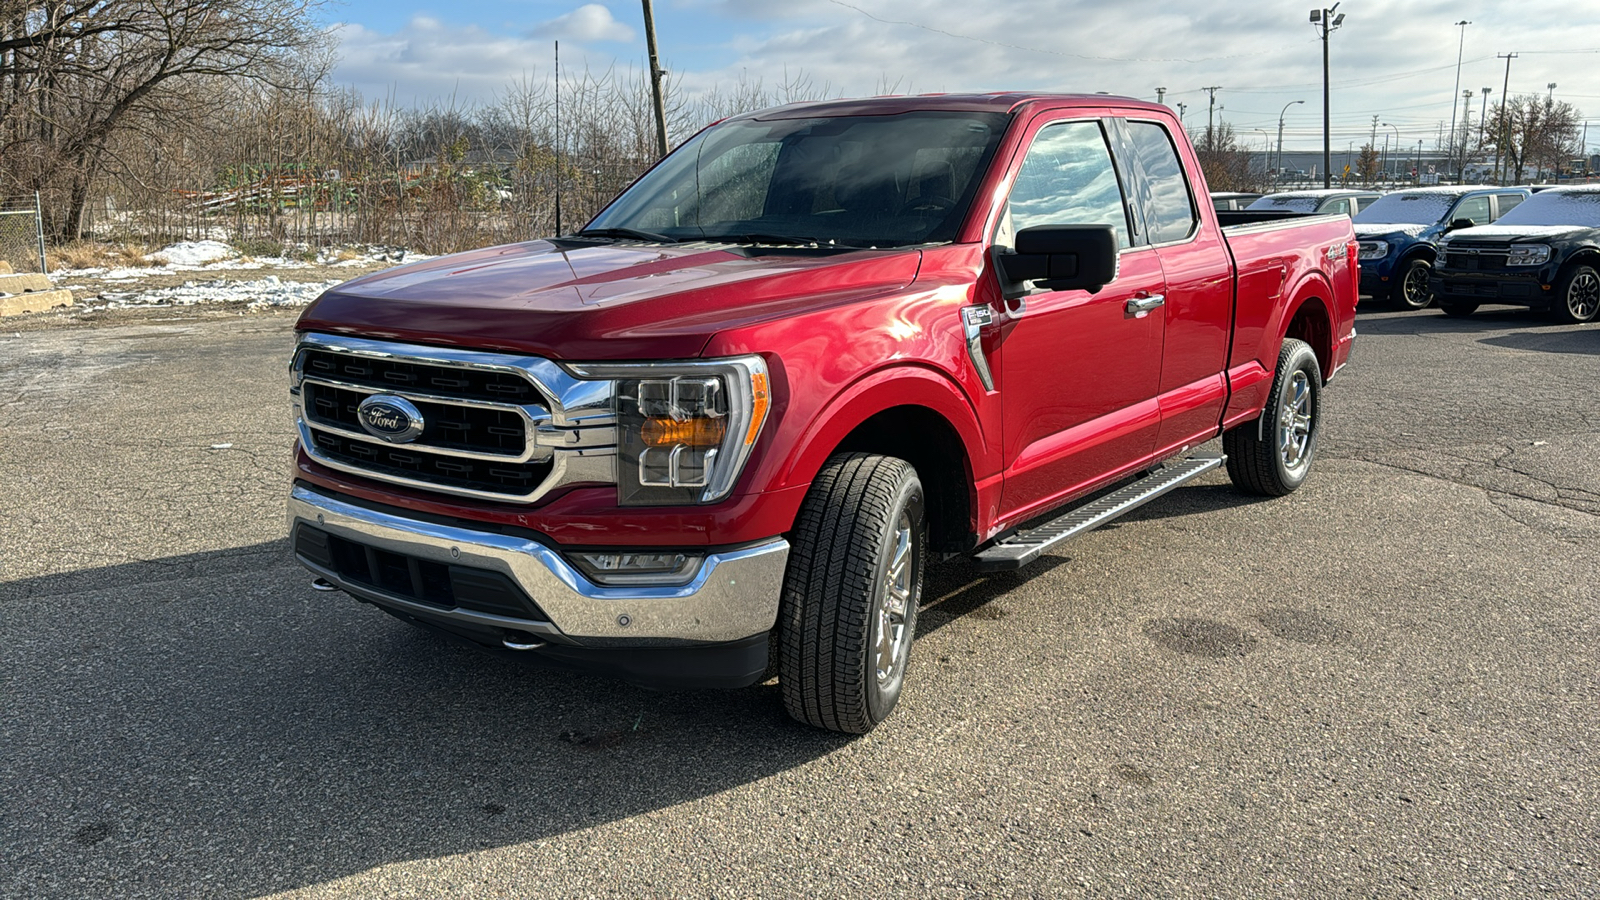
(968, 37)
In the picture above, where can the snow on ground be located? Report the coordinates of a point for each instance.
(214, 256)
(265, 292)
(192, 254)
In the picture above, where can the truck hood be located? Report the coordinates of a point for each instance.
(599, 301)
(1515, 232)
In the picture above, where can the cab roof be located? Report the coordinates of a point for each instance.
(1004, 102)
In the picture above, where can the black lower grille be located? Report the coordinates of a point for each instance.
(403, 461)
(422, 581)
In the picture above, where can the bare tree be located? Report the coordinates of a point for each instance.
(1227, 165)
(76, 73)
(1533, 132)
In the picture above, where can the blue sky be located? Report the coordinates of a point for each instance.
(1393, 60)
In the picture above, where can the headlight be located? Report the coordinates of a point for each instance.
(1528, 254)
(684, 429)
(1373, 250)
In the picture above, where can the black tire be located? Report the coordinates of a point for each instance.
(1577, 296)
(1272, 455)
(1457, 309)
(1411, 290)
(863, 521)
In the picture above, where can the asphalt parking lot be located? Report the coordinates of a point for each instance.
(1385, 684)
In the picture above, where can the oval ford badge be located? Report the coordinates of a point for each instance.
(393, 419)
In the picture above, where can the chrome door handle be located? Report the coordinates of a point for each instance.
(1145, 304)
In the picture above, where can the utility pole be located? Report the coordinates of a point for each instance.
(1327, 23)
(1211, 110)
(1498, 144)
(1461, 45)
(655, 80)
(1182, 108)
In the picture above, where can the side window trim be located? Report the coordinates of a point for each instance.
(1131, 178)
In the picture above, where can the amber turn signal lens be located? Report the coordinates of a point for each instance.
(762, 399)
(688, 432)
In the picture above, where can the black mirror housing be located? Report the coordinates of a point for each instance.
(1063, 257)
(1461, 223)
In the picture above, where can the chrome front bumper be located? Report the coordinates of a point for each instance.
(733, 596)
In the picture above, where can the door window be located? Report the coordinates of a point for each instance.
(1066, 179)
(1506, 203)
(1169, 211)
(1474, 208)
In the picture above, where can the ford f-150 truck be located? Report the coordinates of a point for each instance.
(719, 433)
(1544, 254)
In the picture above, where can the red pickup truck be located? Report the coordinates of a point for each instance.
(719, 433)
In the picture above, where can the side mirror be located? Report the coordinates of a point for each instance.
(1063, 257)
(1461, 223)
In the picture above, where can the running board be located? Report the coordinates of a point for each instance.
(1024, 547)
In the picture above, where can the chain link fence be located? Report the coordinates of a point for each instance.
(22, 235)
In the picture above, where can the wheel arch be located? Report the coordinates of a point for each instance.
(910, 413)
(1311, 321)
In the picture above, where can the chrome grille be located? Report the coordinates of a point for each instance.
(494, 426)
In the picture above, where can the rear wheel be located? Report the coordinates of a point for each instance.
(1456, 309)
(850, 595)
(1411, 291)
(1577, 297)
(1272, 455)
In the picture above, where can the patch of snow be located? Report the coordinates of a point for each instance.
(262, 293)
(193, 254)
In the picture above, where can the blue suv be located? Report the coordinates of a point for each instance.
(1399, 236)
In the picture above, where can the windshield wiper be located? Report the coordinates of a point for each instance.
(634, 233)
(784, 240)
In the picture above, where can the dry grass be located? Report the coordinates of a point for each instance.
(346, 254)
(96, 255)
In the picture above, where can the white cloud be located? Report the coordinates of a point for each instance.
(589, 23)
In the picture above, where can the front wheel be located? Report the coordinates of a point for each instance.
(1412, 290)
(850, 594)
(1272, 455)
(1577, 297)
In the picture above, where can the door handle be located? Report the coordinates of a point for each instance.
(1146, 303)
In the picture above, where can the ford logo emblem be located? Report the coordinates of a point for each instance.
(390, 418)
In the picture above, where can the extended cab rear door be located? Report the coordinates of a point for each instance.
(1200, 282)
(1078, 371)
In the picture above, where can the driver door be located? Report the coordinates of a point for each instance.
(1079, 371)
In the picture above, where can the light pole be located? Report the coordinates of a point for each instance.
(1466, 129)
(1504, 138)
(1280, 134)
(1483, 118)
(1418, 169)
(1450, 152)
(1397, 145)
(1327, 23)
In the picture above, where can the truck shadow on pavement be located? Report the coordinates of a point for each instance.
(221, 729)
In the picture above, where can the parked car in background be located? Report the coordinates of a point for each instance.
(1231, 199)
(1399, 235)
(1544, 254)
(1326, 201)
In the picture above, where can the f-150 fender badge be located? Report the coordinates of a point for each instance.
(390, 418)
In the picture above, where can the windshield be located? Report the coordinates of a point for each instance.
(855, 181)
(1557, 208)
(1286, 203)
(1407, 209)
